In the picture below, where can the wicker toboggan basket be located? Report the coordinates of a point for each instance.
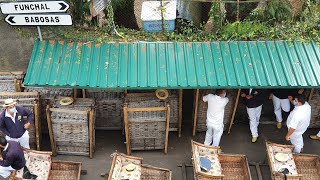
(109, 106)
(146, 124)
(233, 166)
(143, 171)
(307, 165)
(71, 128)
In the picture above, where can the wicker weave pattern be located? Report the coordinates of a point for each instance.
(147, 128)
(154, 173)
(61, 170)
(7, 86)
(50, 93)
(109, 106)
(234, 167)
(47, 95)
(173, 101)
(174, 114)
(203, 106)
(7, 81)
(70, 126)
(70, 131)
(315, 109)
(308, 166)
(104, 94)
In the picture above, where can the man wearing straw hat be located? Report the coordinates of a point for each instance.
(215, 114)
(13, 125)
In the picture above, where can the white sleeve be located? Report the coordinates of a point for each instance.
(294, 122)
(206, 97)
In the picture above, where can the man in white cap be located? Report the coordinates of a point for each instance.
(13, 125)
(298, 122)
(215, 114)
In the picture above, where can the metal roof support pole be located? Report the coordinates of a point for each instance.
(39, 32)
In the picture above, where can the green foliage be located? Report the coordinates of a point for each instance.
(246, 30)
(279, 10)
(80, 10)
(216, 16)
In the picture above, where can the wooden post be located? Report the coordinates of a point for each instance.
(167, 129)
(91, 133)
(36, 123)
(234, 110)
(311, 94)
(195, 113)
(53, 144)
(126, 126)
(180, 111)
(75, 94)
(84, 93)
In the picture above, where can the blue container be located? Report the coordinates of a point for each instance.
(156, 26)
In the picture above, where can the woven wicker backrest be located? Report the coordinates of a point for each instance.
(209, 152)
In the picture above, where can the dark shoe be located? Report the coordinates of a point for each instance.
(27, 174)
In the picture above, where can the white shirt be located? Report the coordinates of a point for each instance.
(215, 112)
(12, 118)
(299, 119)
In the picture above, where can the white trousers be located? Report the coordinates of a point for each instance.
(297, 142)
(213, 136)
(318, 134)
(279, 104)
(254, 116)
(5, 171)
(23, 140)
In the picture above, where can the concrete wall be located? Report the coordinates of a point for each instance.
(15, 50)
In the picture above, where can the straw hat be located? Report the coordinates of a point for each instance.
(9, 102)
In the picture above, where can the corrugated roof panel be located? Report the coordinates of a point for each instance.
(233, 64)
(181, 64)
(218, 64)
(295, 64)
(171, 65)
(133, 66)
(232, 77)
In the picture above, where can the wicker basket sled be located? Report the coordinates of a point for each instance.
(141, 172)
(108, 106)
(224, 166)
(146, 124)
(71, 128)
(302, 166)
(29, 100)
(41, 164)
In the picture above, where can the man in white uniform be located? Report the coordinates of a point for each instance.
(215, 114)
(298, 122)
(280, 102)
(315, 137)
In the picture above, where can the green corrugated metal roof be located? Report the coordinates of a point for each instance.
(143, 65)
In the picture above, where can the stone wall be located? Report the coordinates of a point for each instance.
(15, 50)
